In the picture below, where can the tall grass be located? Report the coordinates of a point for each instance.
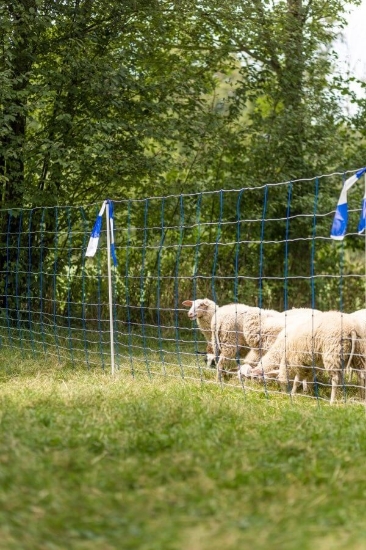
(88, 461)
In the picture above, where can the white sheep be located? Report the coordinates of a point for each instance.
(202, 311)
(222, 328)
(360, 315)
(227, 336)
(261, 328)
(329, 342)
(241, 330)
(297, 310)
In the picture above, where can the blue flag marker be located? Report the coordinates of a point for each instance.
(340, 220)
(111, 223)
(96, 231)
(362, 222)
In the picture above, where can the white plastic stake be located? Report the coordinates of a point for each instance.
(111, 335)
(365, 258)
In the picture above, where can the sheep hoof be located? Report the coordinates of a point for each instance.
(244, 371)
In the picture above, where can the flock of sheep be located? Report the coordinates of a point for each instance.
(299, 346)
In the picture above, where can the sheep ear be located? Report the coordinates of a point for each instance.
(187, 303)
(206, 301)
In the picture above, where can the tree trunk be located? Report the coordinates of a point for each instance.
(19, 58)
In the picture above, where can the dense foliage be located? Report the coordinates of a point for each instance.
(131, 99)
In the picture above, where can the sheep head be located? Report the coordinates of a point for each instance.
(198, 308)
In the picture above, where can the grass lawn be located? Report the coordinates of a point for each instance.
(91, 462)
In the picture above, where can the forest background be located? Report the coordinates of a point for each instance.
(132, 99)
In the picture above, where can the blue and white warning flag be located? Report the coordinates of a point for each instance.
(340, 220)
(111, 225)
(96, 231)
(362, 222)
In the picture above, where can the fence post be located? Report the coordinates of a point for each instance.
(111, 334)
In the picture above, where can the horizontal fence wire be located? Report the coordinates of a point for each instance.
(267, 246)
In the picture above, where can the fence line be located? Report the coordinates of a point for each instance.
(266, 246)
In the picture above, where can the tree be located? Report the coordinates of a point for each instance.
(134, 98)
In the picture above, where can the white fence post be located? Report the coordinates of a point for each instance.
(111, 333)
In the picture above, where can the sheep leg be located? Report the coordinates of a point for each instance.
(219, 368)
(305, 387)
(362, 384)
(295, 384)
(210, 360)
(218, 375)
(282, 376)
(220, 372)
(244, 371)
(359, 382)
(227, 357)
(335, 381)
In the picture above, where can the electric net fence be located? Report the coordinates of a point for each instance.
(267, 246)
